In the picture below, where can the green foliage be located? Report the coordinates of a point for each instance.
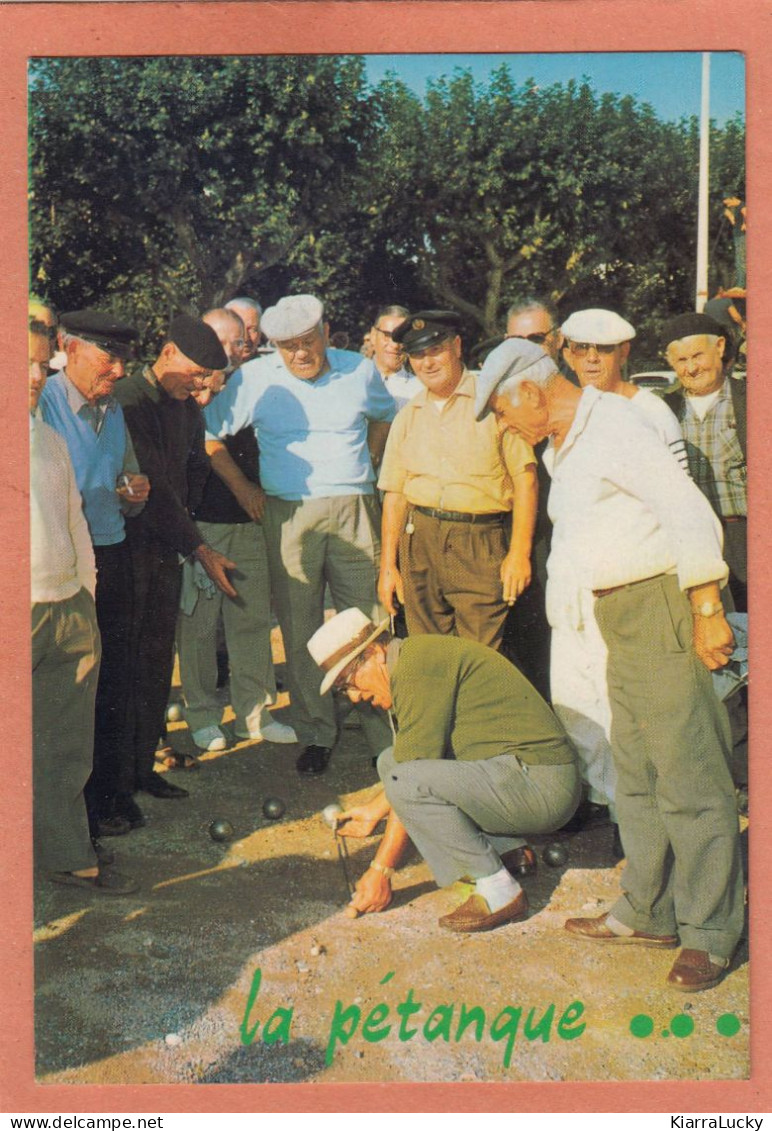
(161, 184)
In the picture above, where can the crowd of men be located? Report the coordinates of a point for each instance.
(558, 539)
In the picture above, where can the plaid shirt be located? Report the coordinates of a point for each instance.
(715, 457)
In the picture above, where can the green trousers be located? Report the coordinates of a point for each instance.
(675, 798)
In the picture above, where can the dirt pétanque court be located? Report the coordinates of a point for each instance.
(234, 963)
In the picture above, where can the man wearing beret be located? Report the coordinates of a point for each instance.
(65, 653)
(166, 427)
(478, 756)
(246, 623)
(314, 411)
(78, 402)
(597, 346)
(453, 487)
(711, 408)
(630, 526)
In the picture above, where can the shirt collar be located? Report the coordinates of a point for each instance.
(465, 388)
(76, 400)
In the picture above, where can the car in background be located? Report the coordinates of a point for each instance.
(660, 381)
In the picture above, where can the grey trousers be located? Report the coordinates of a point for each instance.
(66, 651)
(247, 624)
(311, 544)
(452, 810)
(675, 798)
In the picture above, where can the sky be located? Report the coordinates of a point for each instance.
(668, 80)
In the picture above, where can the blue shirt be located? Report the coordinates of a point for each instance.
(312, 434)
(98, 458)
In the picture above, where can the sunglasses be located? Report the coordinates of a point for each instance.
(581, 348)
(537, 339)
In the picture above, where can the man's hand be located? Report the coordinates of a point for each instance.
(515, 574)
(133, 488)
(251, 498)
(359, 821)
(713, 640)
(389, 586)
(215, 565)
(373, 893)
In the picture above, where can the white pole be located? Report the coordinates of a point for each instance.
(701, 296)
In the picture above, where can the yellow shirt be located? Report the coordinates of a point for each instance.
(448, 460)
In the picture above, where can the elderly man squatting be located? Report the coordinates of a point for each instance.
(478, 757)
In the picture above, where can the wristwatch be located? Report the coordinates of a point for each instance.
(386, 871)
(708, 609)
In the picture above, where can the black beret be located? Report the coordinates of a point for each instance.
(690, 325)
(198, 341)
(103, 330)
(426, 328)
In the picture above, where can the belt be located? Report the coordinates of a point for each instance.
(626, 585)
(461, 516)
(725, 518)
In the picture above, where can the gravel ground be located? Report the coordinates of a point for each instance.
(154, 987)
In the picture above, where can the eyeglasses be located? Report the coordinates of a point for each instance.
(386, 333)
(537, 339)
(581, 348)
(346, 681)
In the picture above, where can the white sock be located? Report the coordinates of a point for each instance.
(499, 889)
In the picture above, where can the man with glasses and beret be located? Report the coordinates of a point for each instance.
(321, 417)
(597, 346)
(166, 427)
(631, 527)
(78, 402)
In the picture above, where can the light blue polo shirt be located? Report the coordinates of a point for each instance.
(312, 435)
(98, 459)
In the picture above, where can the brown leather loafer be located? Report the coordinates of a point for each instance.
(598, 931)
(693, 971)
(520, 861)
(476, 915)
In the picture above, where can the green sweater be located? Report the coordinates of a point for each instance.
(456, 698)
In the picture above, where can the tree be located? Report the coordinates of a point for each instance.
(175, 183)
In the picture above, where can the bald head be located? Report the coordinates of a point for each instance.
(249, 312)
(229, 328)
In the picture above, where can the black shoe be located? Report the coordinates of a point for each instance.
(104, 855)
(587, 816)
(111, 826)
(158, 786)
(313, 760)
(127, 808)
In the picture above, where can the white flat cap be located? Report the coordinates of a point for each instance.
(514, 355)
(292, 315)
(340, 640)
(601, 327)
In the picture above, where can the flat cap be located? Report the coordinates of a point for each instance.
(601, 327)
(198, 342)
(426, 328)
(104, 330)
(689, 326)
(292, 315)
(513, 356)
